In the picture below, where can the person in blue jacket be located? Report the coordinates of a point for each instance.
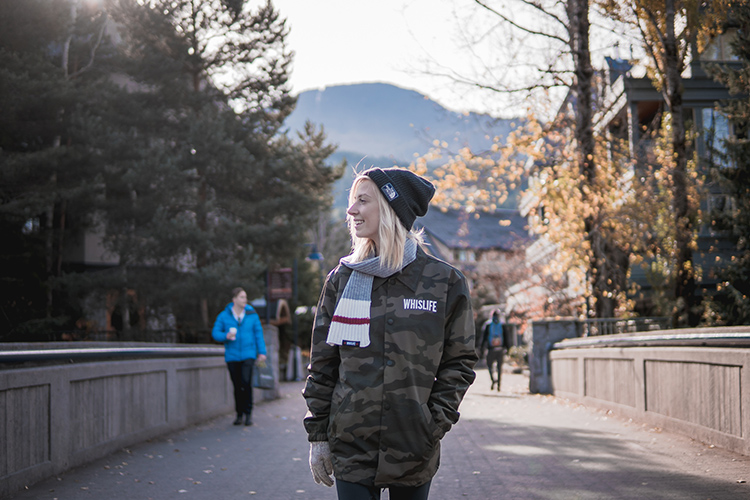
(238, 327)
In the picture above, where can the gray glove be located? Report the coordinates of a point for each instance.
(320, 462)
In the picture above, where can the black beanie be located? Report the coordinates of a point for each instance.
(408, 194)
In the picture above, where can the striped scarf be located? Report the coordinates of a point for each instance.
(350, 325)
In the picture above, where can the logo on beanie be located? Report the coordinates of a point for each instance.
(389, 191)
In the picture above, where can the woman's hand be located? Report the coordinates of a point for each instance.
(320, 462)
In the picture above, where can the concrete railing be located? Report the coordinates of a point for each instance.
(55, 417)
(692, 382)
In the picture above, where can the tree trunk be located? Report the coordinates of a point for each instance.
(49, 225)
(202, 258)
(61, 238)
(125, 313)
(125, 305)
(684, 286)
(204, 312)
(578, 27)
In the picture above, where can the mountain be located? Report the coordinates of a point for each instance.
(377, 124)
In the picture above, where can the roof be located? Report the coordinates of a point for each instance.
(503, 229)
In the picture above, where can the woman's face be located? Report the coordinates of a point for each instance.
(364, 211)
(240, 300)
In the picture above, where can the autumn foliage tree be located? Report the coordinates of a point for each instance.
(672, 33)
(574, 173)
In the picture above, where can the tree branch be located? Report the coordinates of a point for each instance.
(518, 26)
(94, 48)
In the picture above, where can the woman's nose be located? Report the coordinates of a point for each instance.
(351, 210)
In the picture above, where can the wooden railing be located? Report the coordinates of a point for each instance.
(612, 326)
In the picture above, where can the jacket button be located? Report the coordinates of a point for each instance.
(390, 362)
(387, 406)
(390, 321)
(392, 281)
(383, 449)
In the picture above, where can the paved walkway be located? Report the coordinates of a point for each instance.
(508, 445)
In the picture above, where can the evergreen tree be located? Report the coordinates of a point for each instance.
(731, 303)
(203, 192)
(122, 118)
(47, 76)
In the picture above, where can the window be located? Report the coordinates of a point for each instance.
(466, 256)
(721, 203)
(717, 131)
(720, 210)
(543, 215)
(31, 226)
(719, 48)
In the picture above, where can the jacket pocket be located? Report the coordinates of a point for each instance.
(339, 404)
(435, 431)
(417, 436)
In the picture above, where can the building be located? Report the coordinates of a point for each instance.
(487, 247)
(629, 108)
(631, 113)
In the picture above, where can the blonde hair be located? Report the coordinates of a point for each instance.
(392, 234)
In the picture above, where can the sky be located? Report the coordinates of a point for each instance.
(407, 42)
(391, 41)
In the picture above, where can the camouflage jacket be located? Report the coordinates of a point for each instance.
(384, 408)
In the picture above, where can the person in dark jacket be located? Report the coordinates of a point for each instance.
(392, 351)
(495, 342)
(238, 327)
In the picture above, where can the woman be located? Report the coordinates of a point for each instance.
(238, 327)
(392, 349)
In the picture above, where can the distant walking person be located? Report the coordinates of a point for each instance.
(392, 349)
(238, 327)
(495, 339)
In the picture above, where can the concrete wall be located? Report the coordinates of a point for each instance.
(53, 418)
(544, 334)
(695, 391)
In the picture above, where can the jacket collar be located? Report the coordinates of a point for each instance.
(410, 275)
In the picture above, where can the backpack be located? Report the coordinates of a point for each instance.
(496, 334)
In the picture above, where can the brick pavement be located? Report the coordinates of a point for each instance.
(508, 445)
